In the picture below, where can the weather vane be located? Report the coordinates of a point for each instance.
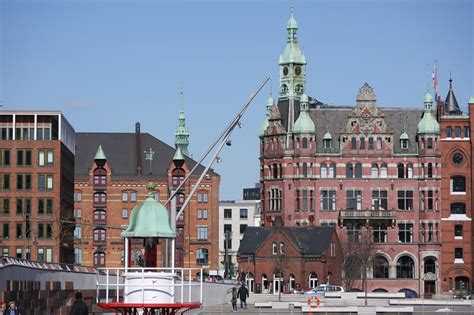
(149, 156)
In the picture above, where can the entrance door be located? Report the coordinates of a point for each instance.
(250, 284)
(430, 289)
(277, 285)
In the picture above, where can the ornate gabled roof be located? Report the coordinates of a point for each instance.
(451, 104)
(327, 136)
(366, 96)
(428, 124)
(404, 136)
(274, 122)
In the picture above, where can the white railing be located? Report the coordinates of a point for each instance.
(111, 284)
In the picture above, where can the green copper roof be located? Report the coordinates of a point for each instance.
(149, 219)
(265, 123)
(428, 123)
(181, 135)
(292, 52)
(471, 100)
(178, 155)
(327, 136)
(304, 123)
(404, 136)
(100, 155)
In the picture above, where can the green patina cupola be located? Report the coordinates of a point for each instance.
(182, 134)
(304, 123)
(428, 124)
(265, 123)
(292, 64)
(100, 155)
(149, 219)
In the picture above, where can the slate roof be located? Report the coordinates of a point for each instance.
(334, 119)
(311, 240)
(121, 152)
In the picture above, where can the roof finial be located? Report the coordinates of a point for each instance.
(450, 81)
(149, 155)
(271, 87)
(181, 96)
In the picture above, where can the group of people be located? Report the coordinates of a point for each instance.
(78, 308)
(242, 293)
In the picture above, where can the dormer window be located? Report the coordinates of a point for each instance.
(404, 143)
(327, 143)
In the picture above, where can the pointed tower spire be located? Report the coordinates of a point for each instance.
(182, 134)
(304, 123)
(428, 124)
(100, 155)
(451, 106)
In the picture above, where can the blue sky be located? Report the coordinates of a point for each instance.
(107, 64)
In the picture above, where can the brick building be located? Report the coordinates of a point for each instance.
(371, 172)
(456, 194)
(280, 259)
(111, 173)
(36, 185)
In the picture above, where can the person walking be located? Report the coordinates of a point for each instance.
(79, 307)
(243, 295)
(12, 309)
(234, 299)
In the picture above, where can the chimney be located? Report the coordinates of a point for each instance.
(138, 151)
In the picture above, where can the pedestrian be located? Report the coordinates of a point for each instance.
(3, 308)
(79, 307)
(243, 295)
(234, 299)
(12, 309)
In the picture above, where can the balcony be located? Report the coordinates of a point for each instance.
(366, 215)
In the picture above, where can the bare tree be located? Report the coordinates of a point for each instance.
(358, 252)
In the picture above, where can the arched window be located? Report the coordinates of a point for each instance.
(362, 143)
(353, 143)
(430, 170)
(379, 143)
(380, 267)
(349, 170)
(264, 283)
(458, 208)
(305, 143)
(100, 177)
(99, 259)
(324, 170)
(458, 184)
(305, 170)
(202, 257)
(405, 268)
(461, 283)
(313, 280)
(430, 143)
(430, 265)
(99, 235)
(371, 143)
(292, 282)
(400, 170)
(374, 170)
(99, 216)
(332, 170)
(449, 132)
(178, 176)
(358, 170)
(383, 170)
(275, 170)
(409, 170)
(100, 198)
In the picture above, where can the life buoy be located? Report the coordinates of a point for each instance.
(313, 301)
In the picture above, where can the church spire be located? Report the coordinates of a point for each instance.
(182, 134)
(451, 106)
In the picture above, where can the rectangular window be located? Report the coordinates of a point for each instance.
(124, 196)
(19, 231)
(49, 230)
(204, 197)
(244, 213)
(41, 230)
(405, 200)
(6, 133)
(458, 230)
(458, 184)
(4, 157)
(354, 199)
(5, 252)
(328, 200)
(379, 200)
(5, 182)
(6, 231)
(199, 215)
(77, 256)
(23, 206)
(243, 227)
(405, 232)
(78, 196)
(200, 198)
(19, 253)
(458, 253)
(466, 132)
(40, 255)
(41, 158)
(227, 213)
(50, 157)
(124, 213)
(23, 157)
(449, 132)
(133, 196)
(457, 132)
(380, 233)
(354, 233)
(78, 232)
(204, 214)
(202, 233)
(228, 233)
(23, 182)
(5, 204)
(430, 201)
(49, 254)
(77, 213)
